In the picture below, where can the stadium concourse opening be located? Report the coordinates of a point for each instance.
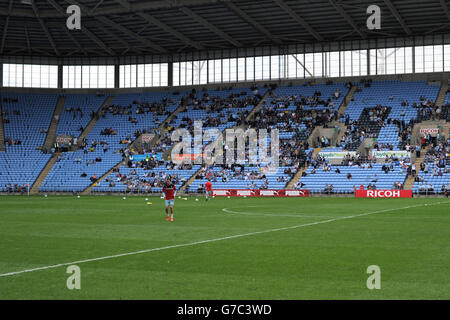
(176, 110)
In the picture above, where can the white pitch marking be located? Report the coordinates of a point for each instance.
(210, 240)
(272, 215)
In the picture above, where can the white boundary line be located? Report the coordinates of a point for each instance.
(273, 215)
(213, 240)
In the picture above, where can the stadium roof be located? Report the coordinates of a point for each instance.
(137, 27)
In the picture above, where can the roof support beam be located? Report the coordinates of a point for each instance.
(72, 38)
(350, 21)
(118, 27)
(125, 44)
(165, 27)
(44, 27)
(69, 35)
(5, 30)
(398, 17)
(299, 19)
(100, 43)
(445, 7)
(27, 38)
(251, 21)
(96, 6)
(438, 28)
(302, 65)
(57, 7)
(125, 4)
(111, 9)
(85, 30)
(24, 50)
(211, 27)
(170, 30)
(130, 33)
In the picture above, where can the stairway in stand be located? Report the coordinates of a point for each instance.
(249, 117)
(442, 94)
(51, 133)
(341, 111)
(299, 173)
(88, 190)
(156, 139)
(37, 184)
(2, 133)
(341, 133)
(93, 122)
(348, 98)
(409, 182)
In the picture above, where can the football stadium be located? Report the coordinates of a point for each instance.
(224, 150)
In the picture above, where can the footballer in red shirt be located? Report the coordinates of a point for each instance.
(208, 187)
(169, 191)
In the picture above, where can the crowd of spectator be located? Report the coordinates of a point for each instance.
(135, 183)
(77, 112)
(233, 172)
(16, 188)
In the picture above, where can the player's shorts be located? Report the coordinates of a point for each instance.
(209, 193)
(170, 202)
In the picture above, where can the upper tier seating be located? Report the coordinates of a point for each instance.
(399, 104)
(29, 117)
(292, 109)
(126, 115)
(77, 112)
(288, 97)
(26, 120)
(379, 93)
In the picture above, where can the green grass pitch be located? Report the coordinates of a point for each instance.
(239, 248)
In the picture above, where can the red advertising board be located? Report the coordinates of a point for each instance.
(147, 137)
(260, 193)
(192, 156)
(432, 131)
(383, 193)
(64, 139)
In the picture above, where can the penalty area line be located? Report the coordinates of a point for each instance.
(212, 240)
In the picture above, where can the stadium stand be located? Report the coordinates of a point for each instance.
(140, 180)
(445, 112)
(51, 132)
(407, 99)
(120, 123)
(433, 173)
(310, 96)
(2, 134)
(78, 110)
(26, 118)
(294, 111)
(345, 179)
(380, 105)
(387, 110)
(218, 109)
(241, 177)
